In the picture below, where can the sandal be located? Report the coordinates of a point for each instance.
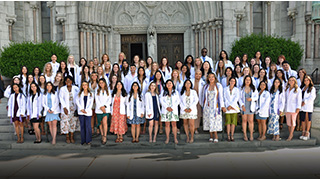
(229, 139)
(232, 138)
(121, 140)
(300, 129)
(117, 140)
(103, 142)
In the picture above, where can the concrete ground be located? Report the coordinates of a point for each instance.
(103, 163)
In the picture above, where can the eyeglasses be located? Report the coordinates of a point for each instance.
(204, 51)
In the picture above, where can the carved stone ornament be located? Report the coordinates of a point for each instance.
(132, 7)
(11, 19)
(292, 12)
(239, 14)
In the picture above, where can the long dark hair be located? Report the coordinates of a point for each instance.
(266, 86)
(234, 71)
(12, 81)
(220, 56)
(234, 61)
(265, 74)
(161, 63)
(22, 75)
(311, 85)
(112, 72)
(161, 79)
(132, 91)
(28, 82)
(210, 68)
(184, 86)
(232, 77)
(251, 83)
(125, 70)
(105, 87)
(82, 74)
(66, 71)
(186, 60)
(165, 89)
(45, 81)
(188, 71)
(37, 91)
(147, 65)
(143, 76)
(273, 86)
(283, 77)
(123, 91)
(46, 90)
(175, 65)
(33, 74)
(20, 90)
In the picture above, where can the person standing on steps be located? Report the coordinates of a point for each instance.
(204, 57)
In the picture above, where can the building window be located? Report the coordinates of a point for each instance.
(45, 22)
(257, 17)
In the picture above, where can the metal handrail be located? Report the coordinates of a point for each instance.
(315, 71)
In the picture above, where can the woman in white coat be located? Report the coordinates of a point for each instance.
(212, 103)
(165, 69)
(308, 97)
(248, 98)
(170, 100)
(17, 110)
(135, 111)
(293, 104)
(51, 109)
(34, 107)
(67, 97)
(188, 108)
(231, 96)
(84, 102)
(262, 109)
(73, 69)
(276, 108)
(152, 103)
(103, 102)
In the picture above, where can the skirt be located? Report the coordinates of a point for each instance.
(52, 117)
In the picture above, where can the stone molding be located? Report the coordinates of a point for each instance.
(239, 14)
(11, 19)
(292, 12)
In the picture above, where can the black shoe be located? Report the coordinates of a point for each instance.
(31, 132)
(37, 142)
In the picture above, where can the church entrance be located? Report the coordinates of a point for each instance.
(135, 44)
(171, 46)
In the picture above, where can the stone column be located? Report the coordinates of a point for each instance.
(11, 20)
(100, 43)
(94, 42)
(239, 15)
(81, 27)
(208, 38)
(50, 4)
(268, 17)
(197, 39)
(308, 35)
(201, 38)
(34, 10)
(251, 16)
(88, 43)
(316, 39)
(292, 12)
(62, 19)
(219, 25)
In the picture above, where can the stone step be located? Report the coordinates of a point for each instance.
(6, 128)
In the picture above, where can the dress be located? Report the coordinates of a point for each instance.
(188, 115)
(118, 121)
(51, 116)
(169, 116)
(273, 124)
(69, 122)
(212, 119)
(247, 104)
(136, 119)
(15, 110)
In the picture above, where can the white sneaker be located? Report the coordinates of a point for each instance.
(215, 140)
(305, 138)
(301, 137)
(196, 132)
(211, 140)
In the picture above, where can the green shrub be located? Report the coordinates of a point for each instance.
(30, 54)
(268, 45)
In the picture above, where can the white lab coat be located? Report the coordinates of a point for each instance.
(80, 104)
(51, 78)
(55, 67)
(149, 105)
(76, 73)
(231, 99)
(293, 100)
(204, 95)
(258, 82)
(279, 102)
(240, 82)
(308, 99)
(122, 105)
(128, 80)
(103, 100)
(229, 64)
(207, 58)
(145, 85)
(290, 73)
(34, 107)
(21, 99)
(263, 104)
(130, 104)
(254, 98)
(175, 102)
(64, 97)
(167, 74)
(193, 102)
(200, 86)
(79, 80)
(55, 103)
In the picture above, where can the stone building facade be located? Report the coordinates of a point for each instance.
(171, 28)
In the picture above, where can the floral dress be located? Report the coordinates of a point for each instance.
(69, 122)
(188, 115)
(212, 119)
(118, 121)
(169, 116)
(273, 124)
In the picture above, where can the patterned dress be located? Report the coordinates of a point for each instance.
(68, 122)
(212, 119)
(136, 119)
(169, 116)
(188, 115)
(273, 125)
(118, 121)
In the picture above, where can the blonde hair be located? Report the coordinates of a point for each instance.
(295, 84)
(195, 64)
(81, 89)
(71, 56)
(176, 70)
(61, 81)
(156, 90)
(250, 73)
(45, 69)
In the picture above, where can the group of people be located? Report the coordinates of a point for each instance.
(195, 90)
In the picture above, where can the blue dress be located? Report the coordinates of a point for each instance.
(51, 117)
(136, 119)
(273, 124)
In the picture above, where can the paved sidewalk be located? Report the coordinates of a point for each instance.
(282, 163)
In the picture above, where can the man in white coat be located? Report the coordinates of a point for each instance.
(128, 80)
(204, 57)
(55, 65)
(288, 72)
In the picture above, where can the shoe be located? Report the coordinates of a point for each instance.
(178, 131)
(67, 139)
(229, 139)
(305, 138)
(71, 138)
(215, 141)
(196, 132)
(232, 138)
(211, 140)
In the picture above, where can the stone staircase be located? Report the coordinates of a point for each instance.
(8, 140)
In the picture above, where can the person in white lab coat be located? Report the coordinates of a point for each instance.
(288, 72)
(231, 96)
(165, 68)
(308, 97)
(135, 111)
(103, 102)
(263, 77)
(262, 109)
(34, 107)
(17, 110)
(204, 57)
(74, 69)
(277, 96)
(84, 101)
(55, 65)
(48, 72)
(128, 80)
(293, 104)
(248, 97)
(152, 107)
(188, 108)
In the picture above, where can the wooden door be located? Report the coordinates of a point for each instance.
(170, 46)
(134, 44)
